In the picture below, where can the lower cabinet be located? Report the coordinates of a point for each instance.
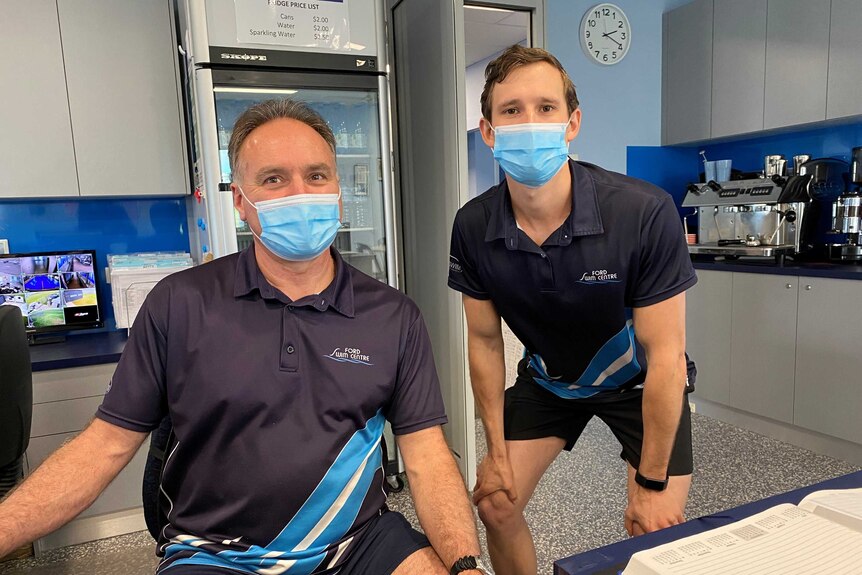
(829, 358)
(707, 333)
(783, 347)
(763, 344)
(64, 402)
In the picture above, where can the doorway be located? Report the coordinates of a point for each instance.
(428, 48)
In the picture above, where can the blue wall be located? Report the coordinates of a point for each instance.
(674, 167)
(620, 104)
(115, 226)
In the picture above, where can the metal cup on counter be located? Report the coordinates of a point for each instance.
(797, 164)
(774, 165)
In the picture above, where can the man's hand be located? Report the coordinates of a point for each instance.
(494, 474)
(650, 510)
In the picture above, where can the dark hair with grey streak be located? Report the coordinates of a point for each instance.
(513, 58)
(264, 112)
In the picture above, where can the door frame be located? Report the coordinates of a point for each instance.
(537, 9)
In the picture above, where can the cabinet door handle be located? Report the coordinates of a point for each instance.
(789, 286)
(808, 287)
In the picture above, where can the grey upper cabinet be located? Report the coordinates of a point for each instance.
(708, 335)
(738, 65)
(688, 72)
(828, 361)
(845, 64)
(763, 345)
(797, 60)
(125, 107)
(37, 158)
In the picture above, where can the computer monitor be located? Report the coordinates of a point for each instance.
(56, 291)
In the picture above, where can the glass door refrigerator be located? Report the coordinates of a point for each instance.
(328, 53)
(334, 63)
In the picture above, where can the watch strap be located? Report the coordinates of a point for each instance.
(463, 564)
(647, 483)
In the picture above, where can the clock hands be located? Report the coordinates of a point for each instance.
(614, 40)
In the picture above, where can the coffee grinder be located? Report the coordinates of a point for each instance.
(847, 214)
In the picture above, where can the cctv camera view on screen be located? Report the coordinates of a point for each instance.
(52, 291)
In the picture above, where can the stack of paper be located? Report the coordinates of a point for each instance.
(132, 276)
(823, 534)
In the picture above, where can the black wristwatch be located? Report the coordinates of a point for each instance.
(647, 483)
(464, 564)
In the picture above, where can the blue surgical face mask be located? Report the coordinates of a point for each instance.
(531, 154)
(300, 227)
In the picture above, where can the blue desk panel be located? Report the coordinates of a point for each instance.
(612, 559)
(78, 351)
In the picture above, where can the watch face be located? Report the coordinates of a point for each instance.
(605, 34)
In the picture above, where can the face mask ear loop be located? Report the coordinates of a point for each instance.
(242, 193)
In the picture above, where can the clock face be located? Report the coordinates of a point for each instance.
(605, 34)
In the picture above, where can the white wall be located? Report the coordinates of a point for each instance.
(620, 104)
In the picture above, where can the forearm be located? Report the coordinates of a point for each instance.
(488, 378)
(662, 407)
(443, 508)
(63, 486)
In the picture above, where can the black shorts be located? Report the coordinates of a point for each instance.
(533, 412)
(386, 543)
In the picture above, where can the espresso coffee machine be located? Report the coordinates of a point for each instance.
(760, 217)
(847, 215)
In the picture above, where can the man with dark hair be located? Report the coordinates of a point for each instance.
(278, 367)
(589, 269)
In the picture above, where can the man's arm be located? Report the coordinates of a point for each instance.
(660, 329)
(66, 483)
(439, 496)
(488, 377)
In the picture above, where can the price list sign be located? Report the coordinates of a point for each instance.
(317, 23)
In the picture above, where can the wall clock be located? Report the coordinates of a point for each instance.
(605, 34)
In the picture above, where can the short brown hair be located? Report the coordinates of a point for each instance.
(513, 58)
(264, 112)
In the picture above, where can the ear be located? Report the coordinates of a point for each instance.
(487, 132)
(238, 201)
(574, 125)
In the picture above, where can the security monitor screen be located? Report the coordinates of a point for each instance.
(54, 290)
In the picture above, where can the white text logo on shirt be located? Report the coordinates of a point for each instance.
(454, 265)
(599, 277)
(349, 355)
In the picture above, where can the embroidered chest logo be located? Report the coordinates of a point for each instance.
(594, 277)
(349, 355)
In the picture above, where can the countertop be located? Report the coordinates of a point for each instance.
(78, 351)
(789, 268)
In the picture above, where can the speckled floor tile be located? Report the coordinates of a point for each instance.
(578, 505)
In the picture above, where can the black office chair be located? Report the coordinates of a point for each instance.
(161, 441)
(16, 396)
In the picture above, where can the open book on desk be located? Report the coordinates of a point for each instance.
(823, 534)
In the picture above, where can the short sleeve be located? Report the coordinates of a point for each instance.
(463, 276)
(665, 268)
(136, 398)
(417, 402)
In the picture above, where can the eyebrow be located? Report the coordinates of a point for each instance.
(518, 101)
(277, 169)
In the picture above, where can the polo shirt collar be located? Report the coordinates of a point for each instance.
(585, 219)
(338, 294)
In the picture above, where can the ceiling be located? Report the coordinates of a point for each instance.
(491, 30)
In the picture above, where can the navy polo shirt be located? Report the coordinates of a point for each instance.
(278, 409)
(570, 300)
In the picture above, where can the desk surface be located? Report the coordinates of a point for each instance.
(79, 350)
(611, 559)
